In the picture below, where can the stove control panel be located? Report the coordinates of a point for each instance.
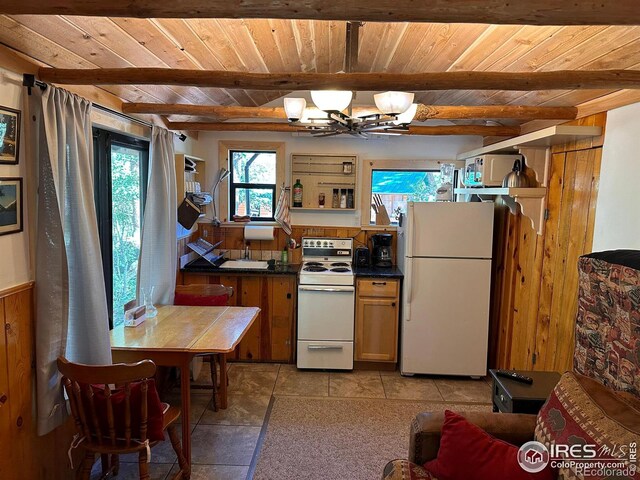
(340, 243)
(327, 247)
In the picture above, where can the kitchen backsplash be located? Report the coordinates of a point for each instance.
(233, 240)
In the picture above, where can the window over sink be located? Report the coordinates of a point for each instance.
(252, 184)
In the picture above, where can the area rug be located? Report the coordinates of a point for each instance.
(321, 439)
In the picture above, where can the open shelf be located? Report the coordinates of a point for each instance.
(532, 201)
(544, 138)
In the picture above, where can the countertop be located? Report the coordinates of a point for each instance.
(202, 266)
(393, 272)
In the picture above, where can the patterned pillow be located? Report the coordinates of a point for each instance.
(581, 411)
(405, 470)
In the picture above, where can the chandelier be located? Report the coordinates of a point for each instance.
(396, 112)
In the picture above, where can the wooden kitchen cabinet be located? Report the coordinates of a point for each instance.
(271, 338)
(377, 308)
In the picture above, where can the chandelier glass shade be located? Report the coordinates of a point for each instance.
(294, 108)
(393, 103)
(405, 117)
(331, 100)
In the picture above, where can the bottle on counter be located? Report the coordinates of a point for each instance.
(343, 199)
(297, 193)
(335, 202)
(284, 256)
(350, 198)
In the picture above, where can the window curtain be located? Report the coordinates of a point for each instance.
(71, 306)
(159, 250)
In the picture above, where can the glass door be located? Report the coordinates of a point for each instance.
(121, 177)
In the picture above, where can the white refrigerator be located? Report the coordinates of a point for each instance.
(444, 251)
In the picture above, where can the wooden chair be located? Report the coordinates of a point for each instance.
(210, 295)
(111, 405)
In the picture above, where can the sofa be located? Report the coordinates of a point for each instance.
(596, 403)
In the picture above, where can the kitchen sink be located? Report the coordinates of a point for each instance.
(245, 264)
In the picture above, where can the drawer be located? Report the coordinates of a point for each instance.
(501, 399)
(325, 354)
(377, 288)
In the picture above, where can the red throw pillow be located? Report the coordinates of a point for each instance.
(468, 452)
(190, 299)
(155, 420)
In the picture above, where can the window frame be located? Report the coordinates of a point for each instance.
(392, 164)
(224, 160)
(234, 186)
(103, 140)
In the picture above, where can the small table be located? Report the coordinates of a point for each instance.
(509, 396)
(178, 334)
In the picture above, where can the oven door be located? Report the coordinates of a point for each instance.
(326, 312)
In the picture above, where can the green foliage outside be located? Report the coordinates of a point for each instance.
(126, 226)
(254, 167)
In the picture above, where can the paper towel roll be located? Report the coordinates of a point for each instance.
(258, 232)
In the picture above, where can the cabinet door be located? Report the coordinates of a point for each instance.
(282, 310)
(376, 329)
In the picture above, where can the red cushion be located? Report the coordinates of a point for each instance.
(468, 452)
(155, 421)
(190, 299)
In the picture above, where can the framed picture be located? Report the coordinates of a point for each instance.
(9, 135)
(10, 205)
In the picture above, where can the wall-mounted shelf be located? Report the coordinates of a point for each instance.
(531, 200)
(544, 138)
(322, 174)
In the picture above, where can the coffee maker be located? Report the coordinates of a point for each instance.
(381, 250)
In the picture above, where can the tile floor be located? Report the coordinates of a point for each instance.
(223, 442)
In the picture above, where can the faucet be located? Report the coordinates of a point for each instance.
(247, 256)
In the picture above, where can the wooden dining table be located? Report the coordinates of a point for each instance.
(178, 334)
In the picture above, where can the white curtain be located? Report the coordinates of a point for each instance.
(159, 251)
(71, 306)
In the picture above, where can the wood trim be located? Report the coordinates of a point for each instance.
(463, 130)
(463, 80)
(224, 146)
(424, 112)
(16, 289)
(534, 12)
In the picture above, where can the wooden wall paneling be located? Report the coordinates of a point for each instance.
(337, 45)
(550, 258)
(18, 310)
(6, 459)
(584, 161)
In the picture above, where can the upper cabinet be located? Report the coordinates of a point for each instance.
(328, 181)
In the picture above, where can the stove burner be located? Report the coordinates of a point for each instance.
(339, 264)
(314, 268)
(313, 264)
(340, 269)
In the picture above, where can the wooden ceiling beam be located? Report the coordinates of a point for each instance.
(294, 81)
(285, 127)
(532, 12)
(424, 112)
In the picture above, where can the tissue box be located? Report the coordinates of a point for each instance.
(135, 316)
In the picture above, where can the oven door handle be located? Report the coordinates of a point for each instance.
(345, 289)
(325, 347)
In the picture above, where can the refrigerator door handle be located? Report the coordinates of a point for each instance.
(408, 281)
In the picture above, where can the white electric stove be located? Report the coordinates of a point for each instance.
(326, 298)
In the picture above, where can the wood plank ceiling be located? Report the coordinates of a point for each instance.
(276, 45)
